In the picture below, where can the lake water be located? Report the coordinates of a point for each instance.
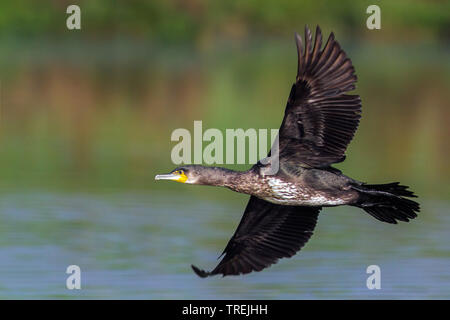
(140, 246)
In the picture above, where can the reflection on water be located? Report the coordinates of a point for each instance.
(140, 246)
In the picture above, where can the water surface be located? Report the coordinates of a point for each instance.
(140, 246)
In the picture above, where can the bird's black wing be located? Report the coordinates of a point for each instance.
(320, 119)
(266, 233)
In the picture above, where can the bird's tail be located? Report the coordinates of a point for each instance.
(387, 202)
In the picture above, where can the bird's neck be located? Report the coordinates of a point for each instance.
(222, 177)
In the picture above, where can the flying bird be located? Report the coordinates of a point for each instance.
(319, 122)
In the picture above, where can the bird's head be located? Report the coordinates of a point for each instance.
(196, 174)
(186, 174)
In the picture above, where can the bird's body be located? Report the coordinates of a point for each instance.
(309, 187)
(319, 122)
(313, 187)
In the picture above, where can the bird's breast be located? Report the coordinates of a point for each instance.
(292, 193)
(283, 190)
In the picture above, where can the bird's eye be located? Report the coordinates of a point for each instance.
(181, 171)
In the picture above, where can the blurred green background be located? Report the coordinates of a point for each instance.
(96, 107)
(87, 115)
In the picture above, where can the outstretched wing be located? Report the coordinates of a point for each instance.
(320, 119)
(266, 233)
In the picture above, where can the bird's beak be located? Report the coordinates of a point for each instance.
(172, 176)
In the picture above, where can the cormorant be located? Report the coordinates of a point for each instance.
(320, 120)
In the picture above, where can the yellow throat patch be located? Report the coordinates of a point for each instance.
(182, 178)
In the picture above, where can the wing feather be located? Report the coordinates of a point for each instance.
(320, 118)
(266, 233)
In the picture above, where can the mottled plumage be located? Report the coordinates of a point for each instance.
(319, 122)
